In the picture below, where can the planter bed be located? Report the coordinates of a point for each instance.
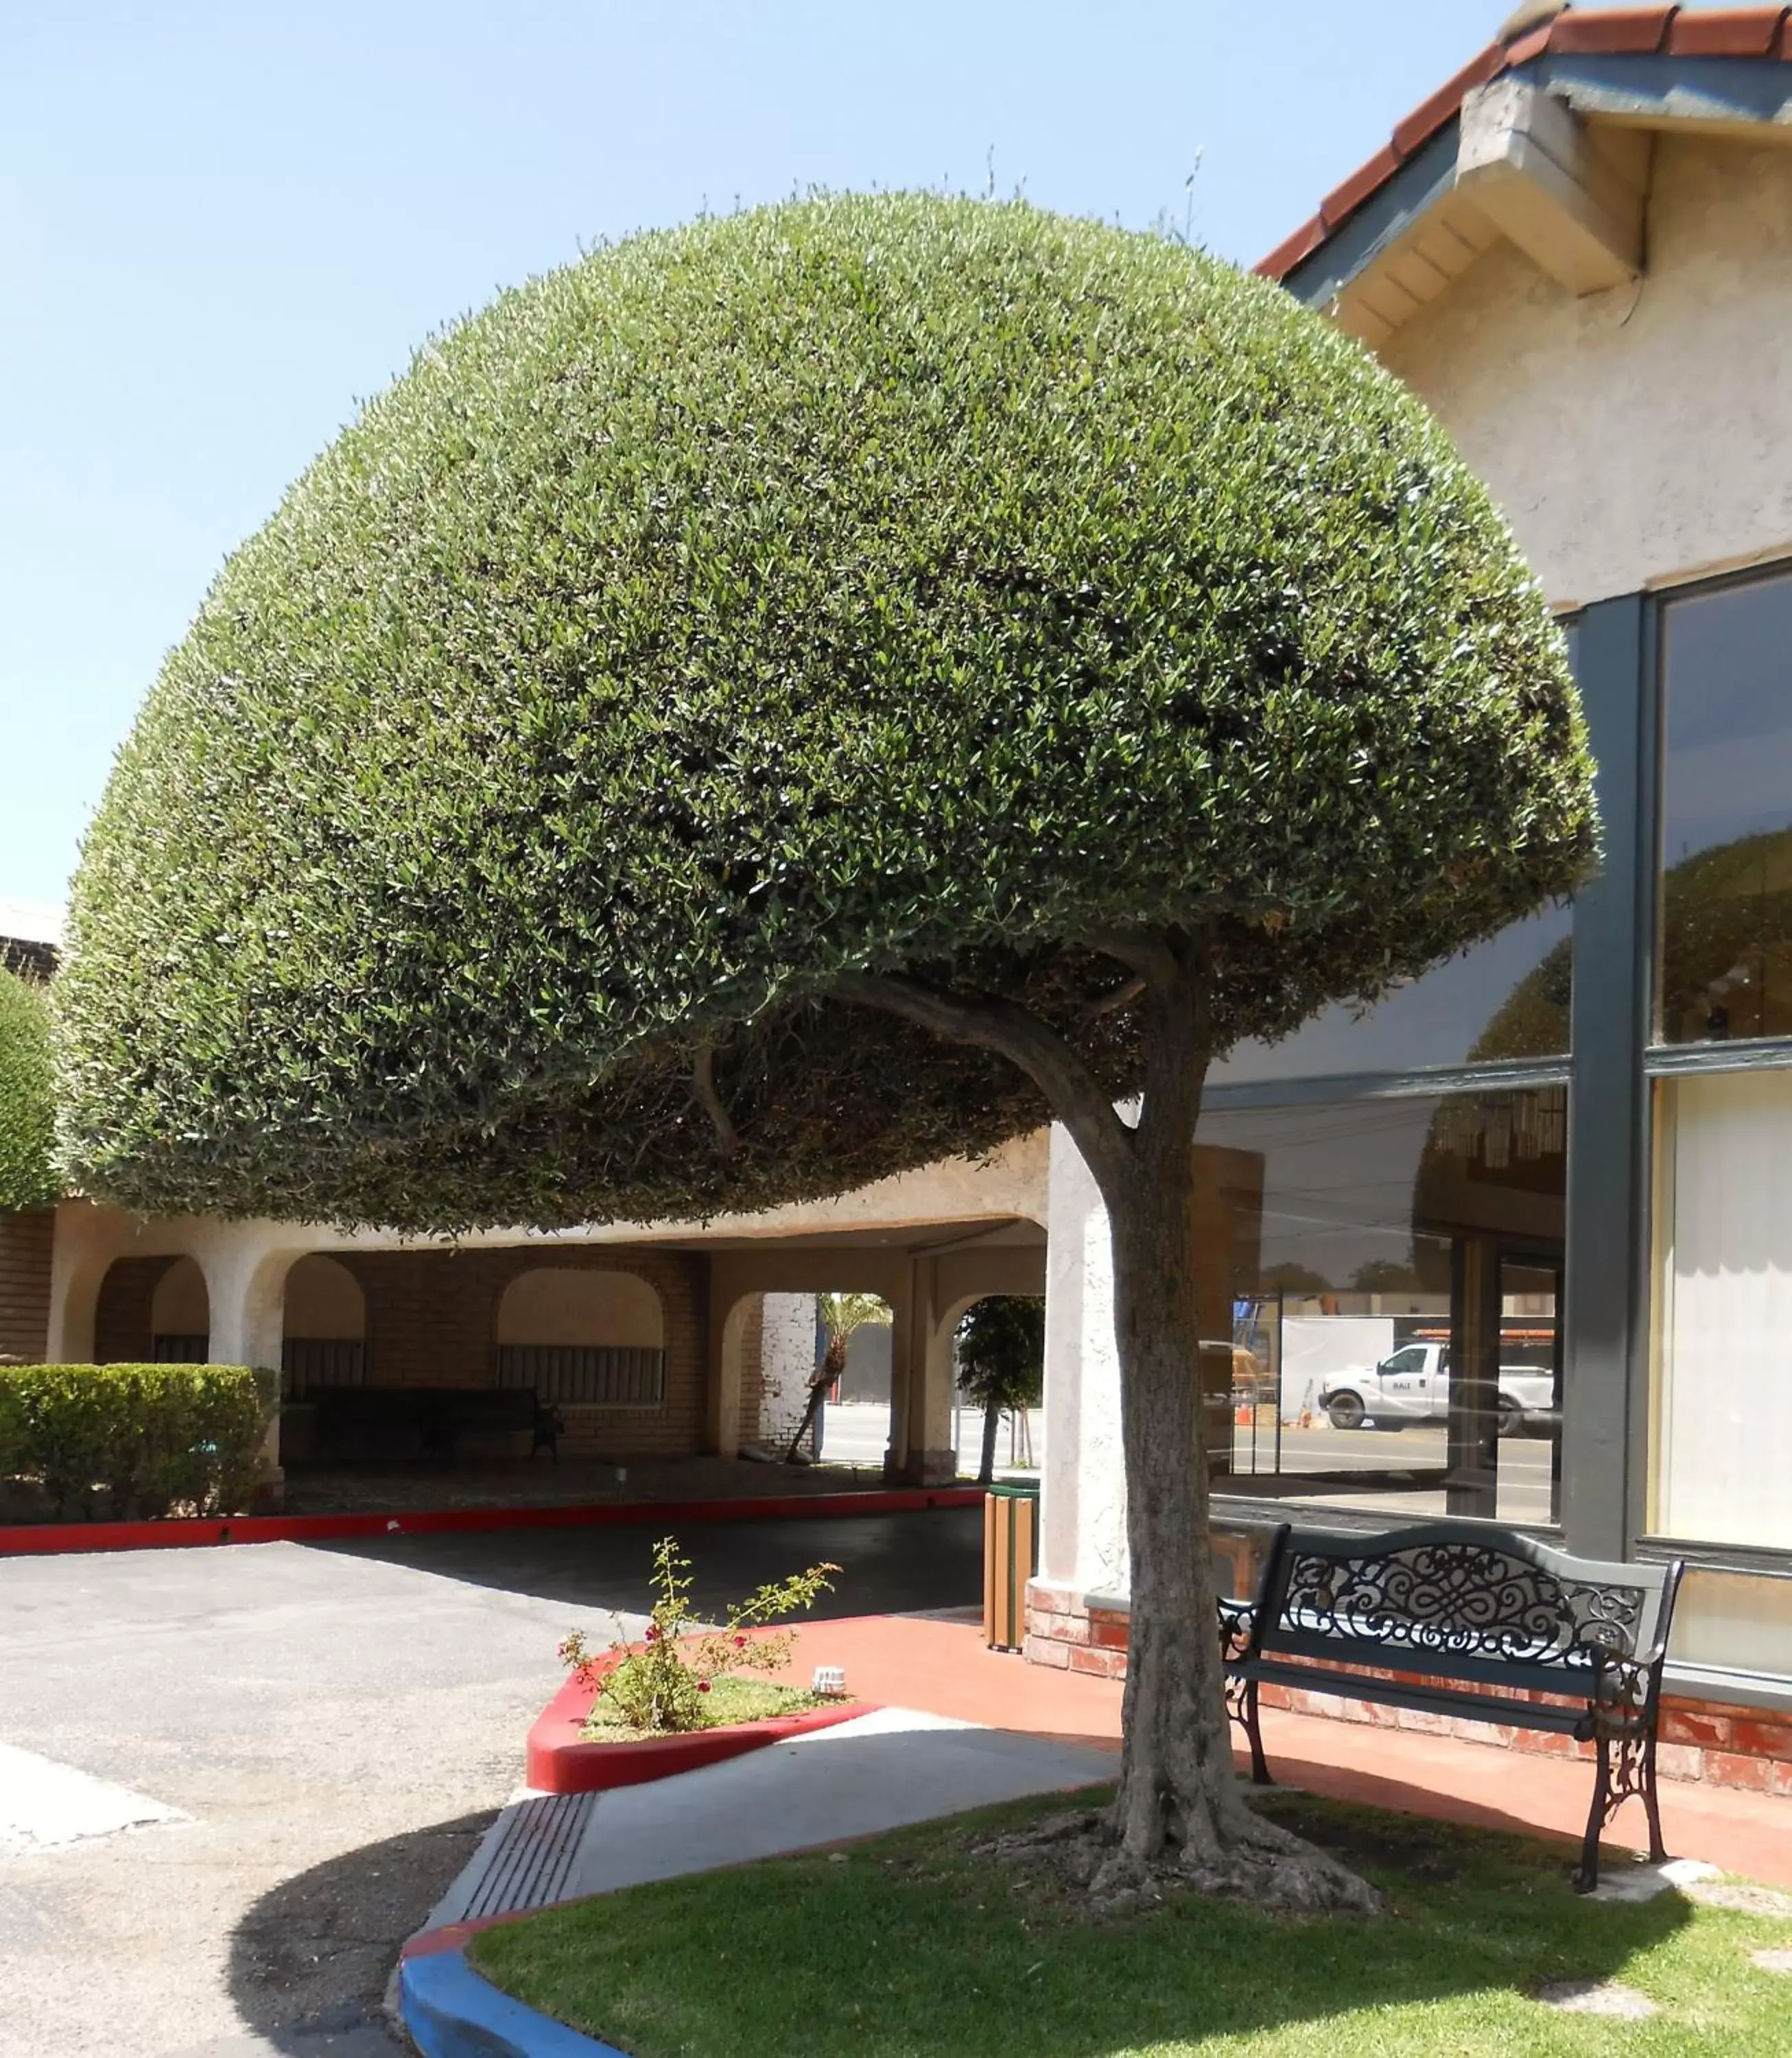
(561, 1759)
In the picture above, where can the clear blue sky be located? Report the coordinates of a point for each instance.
(223, 225)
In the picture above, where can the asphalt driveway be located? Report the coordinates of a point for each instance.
(336, 1725)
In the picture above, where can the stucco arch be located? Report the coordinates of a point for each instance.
(580, 1306)
(322, 1298)
(180, 1304)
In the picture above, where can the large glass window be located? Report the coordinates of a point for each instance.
(1724, 1445)
(1506, 998)
(1726, 903)
(1391, 1271)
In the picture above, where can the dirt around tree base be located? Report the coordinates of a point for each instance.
(1270, 1868)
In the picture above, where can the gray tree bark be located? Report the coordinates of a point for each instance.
(1179, 1801)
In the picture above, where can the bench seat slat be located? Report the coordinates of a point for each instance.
(1570, 1676)
(1431, 1700)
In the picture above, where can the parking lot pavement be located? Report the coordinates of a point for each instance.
(337, 1726)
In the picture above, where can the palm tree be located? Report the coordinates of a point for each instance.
(841, 1314)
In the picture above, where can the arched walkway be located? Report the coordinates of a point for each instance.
(582, 1335)
(324, 1325)
(181, 1315)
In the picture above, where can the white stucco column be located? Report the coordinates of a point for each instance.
(1082, 1512)
(86, 1242)
(245, 1269)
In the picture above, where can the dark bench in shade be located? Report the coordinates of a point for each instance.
(373, 1420)
(1462, 1613)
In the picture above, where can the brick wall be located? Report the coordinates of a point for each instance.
(753, 1368)
(24, 1249)
(1716, 1743)
(431, 1317)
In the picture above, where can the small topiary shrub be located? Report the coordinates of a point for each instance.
(154, 1439)
(27, 1107)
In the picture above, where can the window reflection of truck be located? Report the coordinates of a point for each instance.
(1412, 1385)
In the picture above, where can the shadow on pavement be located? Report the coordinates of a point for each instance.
(310, 1960)
(891, 1564)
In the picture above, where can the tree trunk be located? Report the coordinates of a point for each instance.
(1178, 1803)
(992, 1422)
(817, 1393)
(1177, 1787)
(1179, 1800)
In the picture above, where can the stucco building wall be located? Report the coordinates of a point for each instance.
(1643, 434)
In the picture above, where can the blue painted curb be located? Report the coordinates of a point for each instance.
(451, 2012)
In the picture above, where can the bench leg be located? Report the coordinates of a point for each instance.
(1240, 1705)
(1634, 1775)
(1587, 1877)
(1259, 1764)
(1651, 1802)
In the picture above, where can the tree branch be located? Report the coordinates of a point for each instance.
(1078, 1099)
(1148, 952)
(703, 1089)
(1122, 995)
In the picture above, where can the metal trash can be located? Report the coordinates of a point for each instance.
(1011, 1558)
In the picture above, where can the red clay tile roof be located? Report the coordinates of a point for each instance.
(1731, 32)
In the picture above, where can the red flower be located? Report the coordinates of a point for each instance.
(703, 1685)
(653, 1632)
(740, 1643)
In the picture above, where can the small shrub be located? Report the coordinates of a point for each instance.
(152, 1438)
(663, 1686)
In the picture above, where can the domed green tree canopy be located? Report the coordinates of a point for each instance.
(796, 697)
(27, 1097)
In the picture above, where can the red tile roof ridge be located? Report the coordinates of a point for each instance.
(1746, 31)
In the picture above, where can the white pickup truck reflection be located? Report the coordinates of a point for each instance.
(1413, 1385)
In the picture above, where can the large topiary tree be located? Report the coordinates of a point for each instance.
(27, 1099)
(799, 697)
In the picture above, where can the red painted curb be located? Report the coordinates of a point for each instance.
(28, 1538)
(559, 1760)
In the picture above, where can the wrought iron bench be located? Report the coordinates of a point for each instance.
(1470, 1621)
(438, 1417)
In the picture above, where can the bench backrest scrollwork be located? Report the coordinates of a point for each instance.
(1463, 1600)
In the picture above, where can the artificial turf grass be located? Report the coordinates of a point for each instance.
(907, 1943)
(731, 1699)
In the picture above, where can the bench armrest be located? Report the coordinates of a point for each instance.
(1626, 1690)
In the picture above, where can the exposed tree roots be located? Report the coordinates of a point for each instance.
(1259, 1861)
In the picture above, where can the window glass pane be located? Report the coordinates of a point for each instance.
(1506, 998)
(1724, 1415)
(1391, 1271)
(1725, 952)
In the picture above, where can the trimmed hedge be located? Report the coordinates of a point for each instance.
(27, 1102)
(155, 1439)
(872, 583)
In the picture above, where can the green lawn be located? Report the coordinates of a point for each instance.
(908, 1946)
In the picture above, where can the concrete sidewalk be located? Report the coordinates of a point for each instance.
(960, 1725)
(879, 1771)
(943, 1665)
